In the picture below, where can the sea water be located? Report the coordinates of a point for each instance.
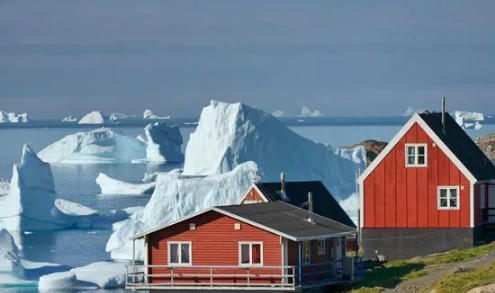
(77, 183)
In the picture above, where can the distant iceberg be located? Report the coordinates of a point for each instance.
(176, 196)
(113, 186)
(100, 146)
(278, 113)
(469, 119)
(70, 119)
(305, 112)
(95, 117)
(163, 144)
(115, 117)
(231, 134)
(31, 203)
(148, 114)
(13, 117)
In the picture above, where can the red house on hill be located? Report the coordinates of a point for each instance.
(427, 191)
(260, 246)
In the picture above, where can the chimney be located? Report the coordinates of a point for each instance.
(310, 207)
(443, 115)
(282, 182)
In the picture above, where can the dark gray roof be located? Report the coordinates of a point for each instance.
(297, 192)
(463, 147)
(288, 220)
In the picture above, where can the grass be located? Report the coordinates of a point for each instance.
(464, 281)
(395, 272)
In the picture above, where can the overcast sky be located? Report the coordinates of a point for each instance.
(342, 57)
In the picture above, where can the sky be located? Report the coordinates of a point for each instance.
(60, 58)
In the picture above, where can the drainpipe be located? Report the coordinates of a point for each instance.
(300, 263)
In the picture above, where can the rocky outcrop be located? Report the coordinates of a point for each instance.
(487, 144)
(373, 148)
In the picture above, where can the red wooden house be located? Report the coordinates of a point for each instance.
(428, 191)
(268, 246)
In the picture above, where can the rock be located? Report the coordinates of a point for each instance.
(483, 289)
(373, 148)
(487, 144)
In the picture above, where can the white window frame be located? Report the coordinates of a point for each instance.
(305, 260)
(169, 243)
(416, 154)
(322, 247)
(448, 188)
(250, 264)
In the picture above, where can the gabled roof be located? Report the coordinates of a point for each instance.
(455, 143)
(463, 147)
(324, 203)
(279, 218)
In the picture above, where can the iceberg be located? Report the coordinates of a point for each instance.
(148, 114)
(119, 116)
(278, 113)
(13, 117)
(113, 186)
(69, 119)
(305, 112)
(100, 146)
(163, 143)
(100, 275)
(176, 196)
(230, 134)
(4, 187)
(469, 119)
(95, 117)
(31, 203)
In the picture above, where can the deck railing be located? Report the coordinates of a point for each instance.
(144, 277)
(488, 215)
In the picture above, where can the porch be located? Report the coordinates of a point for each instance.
(277, 278)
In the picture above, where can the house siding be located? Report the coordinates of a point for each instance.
(400, 197)
(252, 196)
(215, 242)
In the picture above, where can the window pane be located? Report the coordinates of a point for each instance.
(184, 257)
(174, 253)
(453, 202)
(443, 202)
(411, 160)
(443, 193)
(256, 254)
(453, 193)
(245, 253)
(421, 160)
(421, 150)
(411, 151)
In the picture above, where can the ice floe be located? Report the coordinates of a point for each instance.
(13, 117)
(148, 114)
(113, 186)
(70, 119)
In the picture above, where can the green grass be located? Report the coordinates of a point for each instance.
(395, 272)
(464, 281)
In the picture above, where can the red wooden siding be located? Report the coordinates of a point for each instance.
(252, 195)
(400, 197)
(214, 243)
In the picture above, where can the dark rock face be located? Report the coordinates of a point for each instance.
(487, 144)
(373, 148)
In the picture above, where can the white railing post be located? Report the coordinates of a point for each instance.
(211, 277)
(172, 276)
(248, 278)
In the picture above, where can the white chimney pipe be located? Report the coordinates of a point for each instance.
(310, 207)
(282, 182)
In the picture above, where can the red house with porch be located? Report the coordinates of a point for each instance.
(260, 246)
(428, 191)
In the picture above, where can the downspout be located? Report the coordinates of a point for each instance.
(300, 263)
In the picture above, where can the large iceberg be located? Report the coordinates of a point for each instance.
(13, 117)
(176, 196)
(113, 186)
(100, 275)
(148, 114)
(163, 143)
(101, 146)
(31, 203)
(469, 119)
(14, 270)
(230, 134)
(4, 187)
(95, 117)
(305, 112)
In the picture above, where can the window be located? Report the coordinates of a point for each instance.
(306, 252)
(448, 197)
(250, 253)
(179, 253)
(416, 155)
(322, 247)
